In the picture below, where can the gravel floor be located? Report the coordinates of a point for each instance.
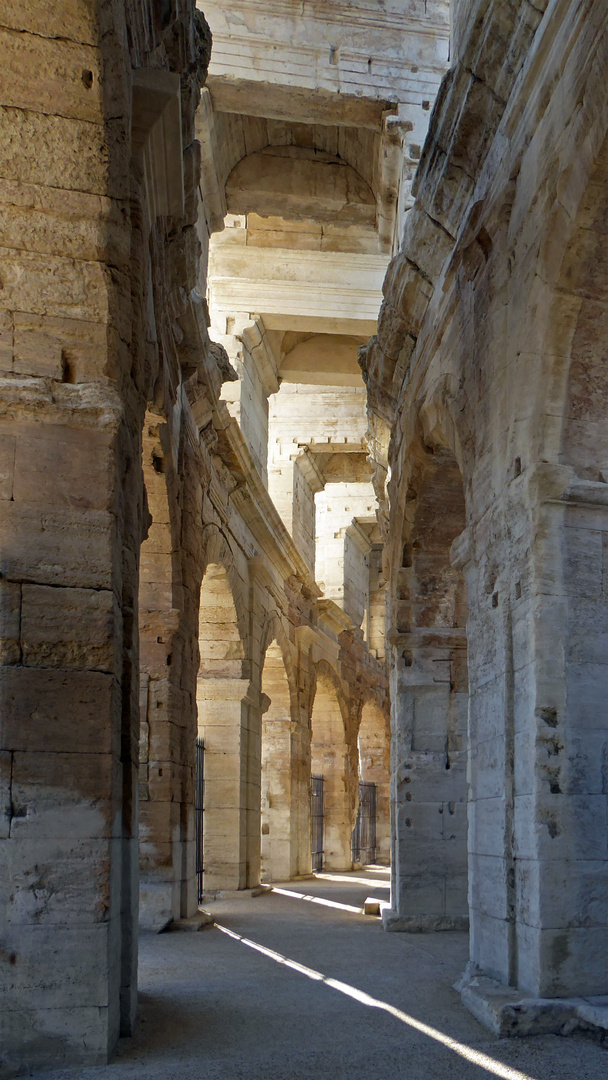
(215, 1008)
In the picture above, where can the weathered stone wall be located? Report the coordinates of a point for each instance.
(145, 570)
(79, 362)
(489, 357)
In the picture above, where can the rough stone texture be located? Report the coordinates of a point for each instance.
(486, 373)
(150, 588)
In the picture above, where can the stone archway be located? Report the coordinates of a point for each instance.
(165, 764)
(429, 615)
(222, 724)
(279, 834)
(332, 758)
(375, 768)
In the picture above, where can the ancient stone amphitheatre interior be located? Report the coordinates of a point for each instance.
(304, 539)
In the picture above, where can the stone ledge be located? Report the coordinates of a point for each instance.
(228, 894)
(200, 921)
(506, 1011)
(422, 924)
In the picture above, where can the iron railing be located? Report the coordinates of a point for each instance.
(199, 792)
(316, 818)
(364, 832)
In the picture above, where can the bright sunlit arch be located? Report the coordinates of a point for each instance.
(476, 1057)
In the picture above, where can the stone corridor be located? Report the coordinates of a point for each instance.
(214, 1008)
(304, 513)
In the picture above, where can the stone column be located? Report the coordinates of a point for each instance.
(429, 718)
(222, 724)
(539, 743)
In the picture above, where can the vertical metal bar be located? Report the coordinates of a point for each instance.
(199, 792)
(364, 832)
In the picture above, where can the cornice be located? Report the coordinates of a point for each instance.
(343, 12)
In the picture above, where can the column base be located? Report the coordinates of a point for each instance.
(422, 924)
(506, 1011)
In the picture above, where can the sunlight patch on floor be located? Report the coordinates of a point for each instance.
(476, 1057)
(316, 900)
(375, 883)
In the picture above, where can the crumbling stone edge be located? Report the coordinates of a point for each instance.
(422, 924)
(507, 1012)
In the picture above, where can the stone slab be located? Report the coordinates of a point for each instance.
(507, 1012)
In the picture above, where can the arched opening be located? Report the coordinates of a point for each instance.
(300, 183)
(279, 822)
(331, 759)
(222, 725)
(431, 704)
(165, 764)
(375, 768)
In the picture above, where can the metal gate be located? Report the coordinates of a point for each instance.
(364, 832)
(316, 817)
(198, 814)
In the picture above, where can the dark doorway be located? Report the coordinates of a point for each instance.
(364, 832)
(316, 817)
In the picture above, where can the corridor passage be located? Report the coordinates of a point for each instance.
(245, 1000)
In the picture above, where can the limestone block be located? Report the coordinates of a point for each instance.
(64, 467)
(83, 162)
(563, 962)
(422, 894)
(487, 826)
(167, 740)
(430, 721)
(489, 884)
(158, 822)
(582, 574)
(456, 894)
(490, 943)
(585, 771)
(557, 828)
(421, 823)
(7, 462)
(570, 893)
(586, 687)
(57, 881)
(155, 904)
(55, 347)
(10, 622)
(5, 793)
(75, 24)
(486, 711)
(487, 767)
(156, 855)
(6, 342)
(47, 544)
(84, 950)
(73, 628)
(59, 1035)
(65, 87)
(69, 223)
(63, 288)
(69, 795)
(52, 711)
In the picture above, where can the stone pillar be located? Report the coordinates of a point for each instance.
(538, 836)
(69, 742)
(331, 759)
(277, 823)
(70, 530)
(429, 720)
(222, 724)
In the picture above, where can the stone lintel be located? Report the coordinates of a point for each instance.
(422, 924)
(507, 1011)
(297, 104)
